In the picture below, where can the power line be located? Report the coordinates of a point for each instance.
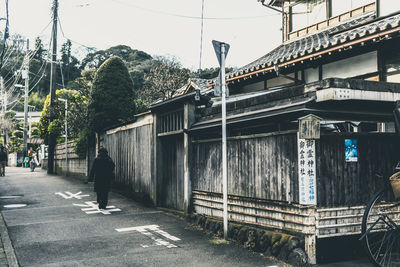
(191, 17)
(62, 32)
(6, 34)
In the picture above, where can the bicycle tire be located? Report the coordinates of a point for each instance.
(380, 230)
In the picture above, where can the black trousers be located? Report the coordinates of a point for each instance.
(102, 199)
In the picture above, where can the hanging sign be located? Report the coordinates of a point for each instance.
(309, 127)
(307, 171)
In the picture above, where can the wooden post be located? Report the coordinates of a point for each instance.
(309, 132)
(310, 248)
(188, 118)
(157, 161)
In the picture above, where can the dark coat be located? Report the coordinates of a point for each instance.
(102, 173)
(3, 155)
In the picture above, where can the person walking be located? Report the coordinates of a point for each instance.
(3, 161)
(32, 158)
(102, 173)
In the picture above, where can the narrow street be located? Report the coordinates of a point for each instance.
(53, 221)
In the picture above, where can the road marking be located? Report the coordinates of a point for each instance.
(91, 207)
(69, 195)
(145, 230)
(7, 197)
(15, 206)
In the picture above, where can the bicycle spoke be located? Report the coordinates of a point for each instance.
(381, 232)
(388, 248)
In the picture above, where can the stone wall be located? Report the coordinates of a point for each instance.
(285, 247)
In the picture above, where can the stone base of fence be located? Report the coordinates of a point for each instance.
(286, 247)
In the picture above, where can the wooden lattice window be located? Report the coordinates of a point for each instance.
(171, 122)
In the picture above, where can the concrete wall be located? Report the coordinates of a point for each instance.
(77, 167)
(15, 160)
(352, 66)
(387, 7)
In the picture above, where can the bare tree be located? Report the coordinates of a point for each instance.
(166, 75)
(6, 125)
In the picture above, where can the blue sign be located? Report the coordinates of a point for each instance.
(351, 150)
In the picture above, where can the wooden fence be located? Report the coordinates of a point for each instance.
(262, 167)
(265, 167)
(131, 148)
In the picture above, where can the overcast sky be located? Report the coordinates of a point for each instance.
(167, 28)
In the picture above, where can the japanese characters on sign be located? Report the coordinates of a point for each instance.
(309, 127)
(307, 172)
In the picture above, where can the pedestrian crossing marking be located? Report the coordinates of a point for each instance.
(146, 230)
(69, 195)
(91, 207)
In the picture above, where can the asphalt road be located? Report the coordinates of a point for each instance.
(51, 222)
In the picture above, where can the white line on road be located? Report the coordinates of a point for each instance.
(90, 207)
(69, 195)
(15, 206)
(145, 230)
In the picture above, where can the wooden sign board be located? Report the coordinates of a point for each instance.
(309, 127)
(307, 172)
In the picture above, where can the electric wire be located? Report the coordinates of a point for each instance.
(5, 37)
(12, 81)
(191, 17)
(19, 95)
(62, 32)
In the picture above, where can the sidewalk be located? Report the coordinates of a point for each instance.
(54, 221)
(7, 254)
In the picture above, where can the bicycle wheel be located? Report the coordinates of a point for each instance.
(381, 230)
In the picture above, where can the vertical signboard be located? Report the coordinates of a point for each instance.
(351, 150)
(307, 171)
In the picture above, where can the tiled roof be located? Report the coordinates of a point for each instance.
(192, 83)
(331, 37)
(195, 83)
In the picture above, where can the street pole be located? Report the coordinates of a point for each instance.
(66, 134)
(52, 139)
(30, 110)
(4, 105)
(25, 75)
(221, 50)
(224, 150)
(3, 96)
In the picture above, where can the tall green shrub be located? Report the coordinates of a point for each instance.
(112, 95)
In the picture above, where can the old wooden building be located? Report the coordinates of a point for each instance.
(309, 126)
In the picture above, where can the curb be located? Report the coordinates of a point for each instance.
(8, 248)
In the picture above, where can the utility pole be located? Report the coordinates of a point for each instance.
(66, 133)
(52, 139)
(25, 75)
(3, 96)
